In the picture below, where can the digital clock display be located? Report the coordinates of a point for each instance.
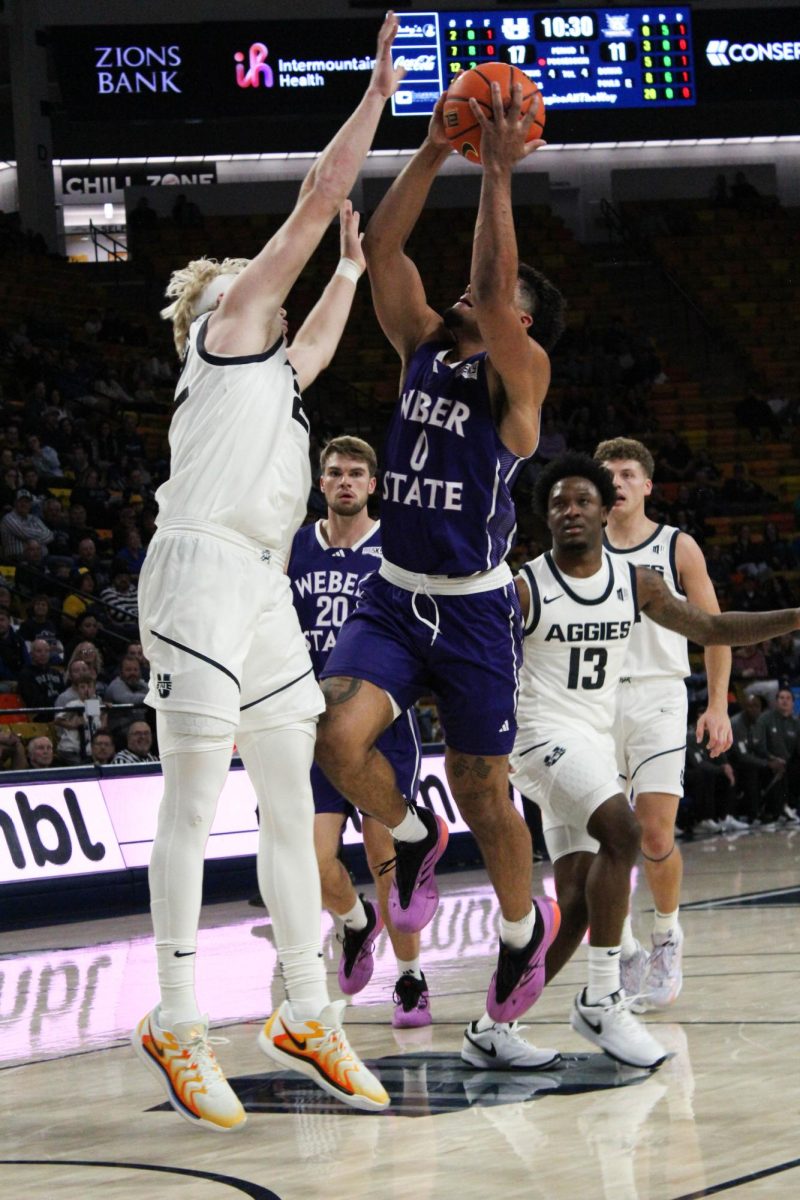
(589, 59)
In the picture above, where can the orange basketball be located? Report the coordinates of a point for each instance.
(463, 131)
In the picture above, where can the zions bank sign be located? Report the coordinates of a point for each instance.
(138, 69)
(280, 69)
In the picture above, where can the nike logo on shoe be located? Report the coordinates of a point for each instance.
(156, 1045)
(491, 1049)
(299, 1042)
(596, 1027)
(550, 599)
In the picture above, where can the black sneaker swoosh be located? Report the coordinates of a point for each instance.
(598, 1028)
(491, 1052)
(299, 1042)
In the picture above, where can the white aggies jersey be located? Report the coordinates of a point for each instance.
(655, 652)
(239, 442)
(576, 643)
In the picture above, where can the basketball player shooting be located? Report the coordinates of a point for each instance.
(580, 605)
(227, 654)
(441, 615)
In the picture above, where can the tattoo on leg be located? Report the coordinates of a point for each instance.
(465, 764)
(338, 689)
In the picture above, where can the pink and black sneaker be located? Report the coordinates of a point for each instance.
(518, 981)
(414, 895)
(411, 1003)
(357, 963)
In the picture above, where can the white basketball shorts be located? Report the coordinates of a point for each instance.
(650, 730)
(569, 775)
(219, 628)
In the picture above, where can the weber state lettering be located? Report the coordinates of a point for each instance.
(446, 506)
(325, 583)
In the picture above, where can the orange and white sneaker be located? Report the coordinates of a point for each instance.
(183, 1060)
(320, 1050)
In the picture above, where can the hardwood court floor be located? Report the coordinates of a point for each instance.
(81, 1117)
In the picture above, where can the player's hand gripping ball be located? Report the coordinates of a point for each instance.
(463, 131)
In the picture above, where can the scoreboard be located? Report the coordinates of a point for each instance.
(587, 59)
(620, 73)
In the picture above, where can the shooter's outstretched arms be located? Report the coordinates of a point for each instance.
(249, 308)
(397, 291)
(709, 629)
(521, 364)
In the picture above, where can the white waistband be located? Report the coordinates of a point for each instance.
(225, 534)
(445, 585)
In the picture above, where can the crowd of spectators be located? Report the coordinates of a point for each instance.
(77, 511)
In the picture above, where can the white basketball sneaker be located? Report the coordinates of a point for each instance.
(664, 975)
(632, 973)
(611, 1026)
(319, 1049)
(502, 1048)
(183, 1060)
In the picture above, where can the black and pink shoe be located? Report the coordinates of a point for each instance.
(357, 961)
(518, 981)
(415, 895)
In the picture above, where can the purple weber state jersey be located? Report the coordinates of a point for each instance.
(446, 506)
(326, 581)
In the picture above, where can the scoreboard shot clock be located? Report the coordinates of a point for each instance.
(588, 59)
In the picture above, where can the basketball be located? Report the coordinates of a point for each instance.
(463, 131)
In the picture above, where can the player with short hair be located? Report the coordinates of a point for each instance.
(652, 711)
(228, 658)
(441, 615)
(329, 562)
(580, 604)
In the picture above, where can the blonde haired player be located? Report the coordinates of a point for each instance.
(227, 655)
(652, 711)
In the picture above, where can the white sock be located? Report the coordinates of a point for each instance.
(604, 977)
(356, 918)
(484, 1023)
(664, 924)
(410, 828)
(279, 764)
(517, 934)
(628, 941)
(409, 968)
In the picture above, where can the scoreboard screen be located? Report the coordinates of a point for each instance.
(587, 59)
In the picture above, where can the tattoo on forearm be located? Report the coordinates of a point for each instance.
(723, 629)
(338, 689)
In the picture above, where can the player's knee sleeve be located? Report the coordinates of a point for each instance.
(192, 733)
